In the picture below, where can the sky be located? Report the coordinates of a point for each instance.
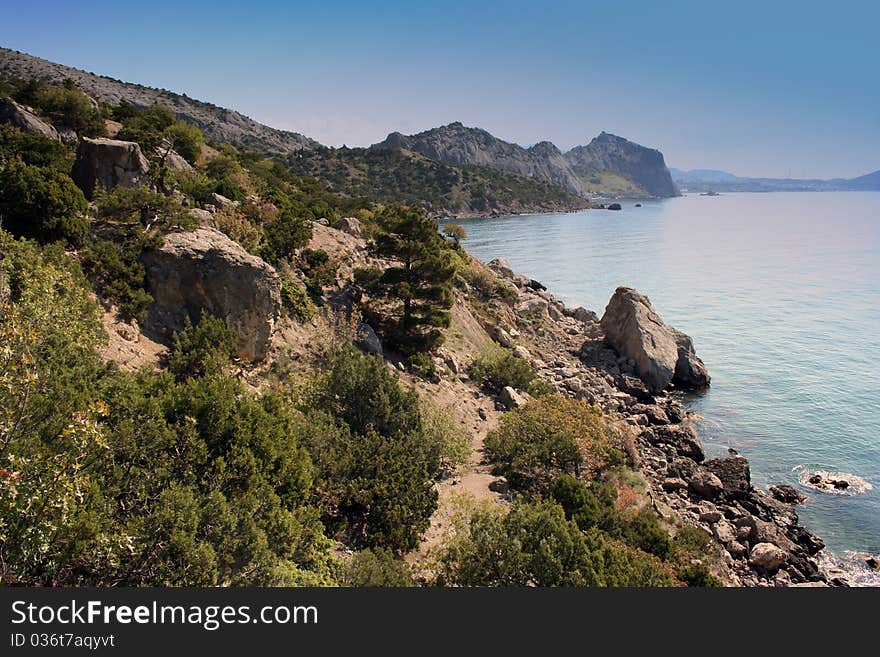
(772, 88)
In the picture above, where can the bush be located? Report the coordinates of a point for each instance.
(33, 149)
(294, 299)
(144, 206)
(201, 349)
(116, 273)
(318, 269)
(41, 203)
(535, 545)
(423, 366)
(376, 461)
(551, 436)
(284, 236)
(70, 108)
(496, 367)
(377, 567)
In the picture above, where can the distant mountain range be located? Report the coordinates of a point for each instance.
(452, 169)
(705, 180)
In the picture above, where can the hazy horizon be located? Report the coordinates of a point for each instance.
(763, 91)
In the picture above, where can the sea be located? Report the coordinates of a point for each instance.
(781, 294)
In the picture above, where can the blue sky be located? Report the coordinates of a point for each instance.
(766, 88)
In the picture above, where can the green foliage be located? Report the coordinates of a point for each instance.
(41, 203)
(184, 138)
(643, 531)
(377, 567)
(318, 269)
(422, 365)
(452, 444)
(376, 461)
(144, 206)
(64, 107)
(201, 349)
(33, 149)
(417, 288)
(455, 232)
(551, 436)
(284, 236)
(146, 127)
(294, 299)
(495, 367)
(535, 545)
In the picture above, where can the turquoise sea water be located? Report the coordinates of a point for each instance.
(781, 293)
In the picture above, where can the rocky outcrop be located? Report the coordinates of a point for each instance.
(610, 153)
(108, 163)
(23, 118)
(349, 225)
(367, 340)
(455, 143)
(218, 124)
(203, 271)
(661, 355)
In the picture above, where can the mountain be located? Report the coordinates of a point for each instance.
(702, 180)
(395, 175)
(217, 123)
(609, 153)
(607, 165)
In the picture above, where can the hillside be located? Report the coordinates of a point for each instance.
(392, 175)
(218, 124)
(608, 165)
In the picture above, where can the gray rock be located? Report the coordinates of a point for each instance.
(23, 118)
(501, 266)
(787, 494)
(499, 486)
(173, 160)
(322, 221)
(582, 315)
(690, 371)
(108, 163)
(221, 201)
(683, 437)
(767, 557)
(203, 271)
(636, 331)
(511, 399)
(724, 532)
(672, 484)
(734, 473)
(502, 337)
(349, 225)
(521, 352)
(705, 484)
(367, 340)
(532, 305)
(202, 216)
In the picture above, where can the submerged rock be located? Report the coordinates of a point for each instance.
(787, 494)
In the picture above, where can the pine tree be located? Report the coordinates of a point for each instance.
(419, 283)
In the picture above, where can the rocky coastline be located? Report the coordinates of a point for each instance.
(633, 366)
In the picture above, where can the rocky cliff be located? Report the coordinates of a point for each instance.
(608, 164)
(217, 123)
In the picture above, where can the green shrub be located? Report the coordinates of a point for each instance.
(377, 567)
(33, 149)
(284, 236)
(535, 545)
(294, 299)
(643, 531)
(423, 366)
(41, 203)
(144, 206)
(496, 367)
(113, 266)
(318, 269)
(551, 436)
(201, 349)
(70, 108)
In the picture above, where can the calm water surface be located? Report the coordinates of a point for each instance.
(781, 293)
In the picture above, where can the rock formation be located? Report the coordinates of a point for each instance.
(203, 271)
(23, 118)
(661, 354)
(108, 163)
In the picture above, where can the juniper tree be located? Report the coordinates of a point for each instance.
(418, 283)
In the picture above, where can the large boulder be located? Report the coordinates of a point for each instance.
(349, 225)
(23, 118)
(661, 354)
(109, 163)
(734, 473)
(690, 372)
(203, 271)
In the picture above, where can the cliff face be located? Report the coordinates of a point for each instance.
(610, 153)
(584, 170)
(458, 144)
(217, 123)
